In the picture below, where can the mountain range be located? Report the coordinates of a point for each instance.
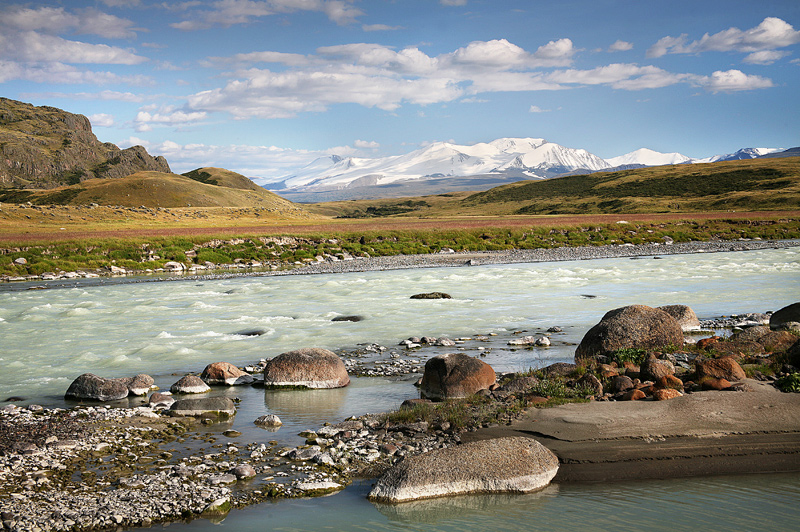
(444, 167)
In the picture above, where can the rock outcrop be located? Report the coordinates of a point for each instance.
(45, 147)
(206, 407)
(455, 375)
(308, 368)
(635, 327)
(225, 373)
(93, 388)
(190, 384)
(786, 317)
(498, 465)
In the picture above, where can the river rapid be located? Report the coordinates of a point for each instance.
(168, 329)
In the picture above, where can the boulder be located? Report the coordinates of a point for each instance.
(591, 383)
(268, 420)
(515, 465)
(190, 384)
(669, 381)
(311, 367)
(205, 407)
(161, 400)
(455, 375)
(91, 387)
(519, 384)
(719, 368)
(653, 368)
(353, 318)
(684, 315)
(225, 373)
(713, 383)
(140, 384)
(620, 383)
(784, 316)
(562, 369)
(664, 394)
(432, 295)
(634, 326)
(777, 341)
(243, 471)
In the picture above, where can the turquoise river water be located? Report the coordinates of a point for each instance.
(166, 329)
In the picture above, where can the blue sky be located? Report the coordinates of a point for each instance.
(265, 87)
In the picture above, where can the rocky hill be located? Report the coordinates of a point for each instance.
(45, 147)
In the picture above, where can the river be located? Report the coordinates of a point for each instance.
(167, 329)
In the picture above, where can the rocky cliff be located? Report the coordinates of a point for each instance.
(45, 147)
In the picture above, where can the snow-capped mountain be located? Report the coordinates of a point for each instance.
(648, 157)
(523, 157)
(443, 167)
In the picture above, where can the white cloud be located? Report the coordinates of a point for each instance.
(380, 27)
(102, 95)
(453, 2)
(58, 20)
(620, 76)
(732, 81)
(770, 34)
(166, 116)
(231, 12)
(537, 109)
(366, 145)
(620, 46)
(37, 47)
(101, 120)
(61, 73)
(765, 57)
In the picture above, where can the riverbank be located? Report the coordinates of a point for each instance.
(351, 264)
(699, 434)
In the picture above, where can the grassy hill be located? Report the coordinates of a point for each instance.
(157, 189)
(746, 185)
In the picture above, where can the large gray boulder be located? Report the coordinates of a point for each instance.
(635, 327)
(685, 316)
(190, 384)
(497, 465)
(205, 407)
(310, 367)
(455, 375)
(785, 316)
(93, 388)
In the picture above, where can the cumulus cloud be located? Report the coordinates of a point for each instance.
(772, 33)
(101, 120)
(38, 47)
(765, 57)
(102, 95)
(620, 46)
(537, 109)
(231, 12)
(166, 116)
(732, 81)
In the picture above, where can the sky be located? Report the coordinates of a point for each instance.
(264, 87)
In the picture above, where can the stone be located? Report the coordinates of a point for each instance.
(787, 314)
(218, 508)
(251, 332)
(243, 471)
(620, 383)
(737, 348)
(653, 368)
(455, 375)
(190, 384)
(777, 341)
(519, 384)
(161, 400)
(634, 326)
(20, 261)
(669, 381)
(432, 295)
(225, 373)
(684, 315)
(591, 383)
(664, 394)
(559, 368)
(707, 344)
(516, 465)
(348, 318)
(173, 266)
(713, 383)
(140, 384)
(90, 386)
(309, 368)
(634, 395)
(205, 407)
(268, 420)
(719, 368)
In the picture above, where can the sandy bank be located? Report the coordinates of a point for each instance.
(704, 433)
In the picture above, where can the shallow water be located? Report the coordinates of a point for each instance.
(49, 337)
(742, 503)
